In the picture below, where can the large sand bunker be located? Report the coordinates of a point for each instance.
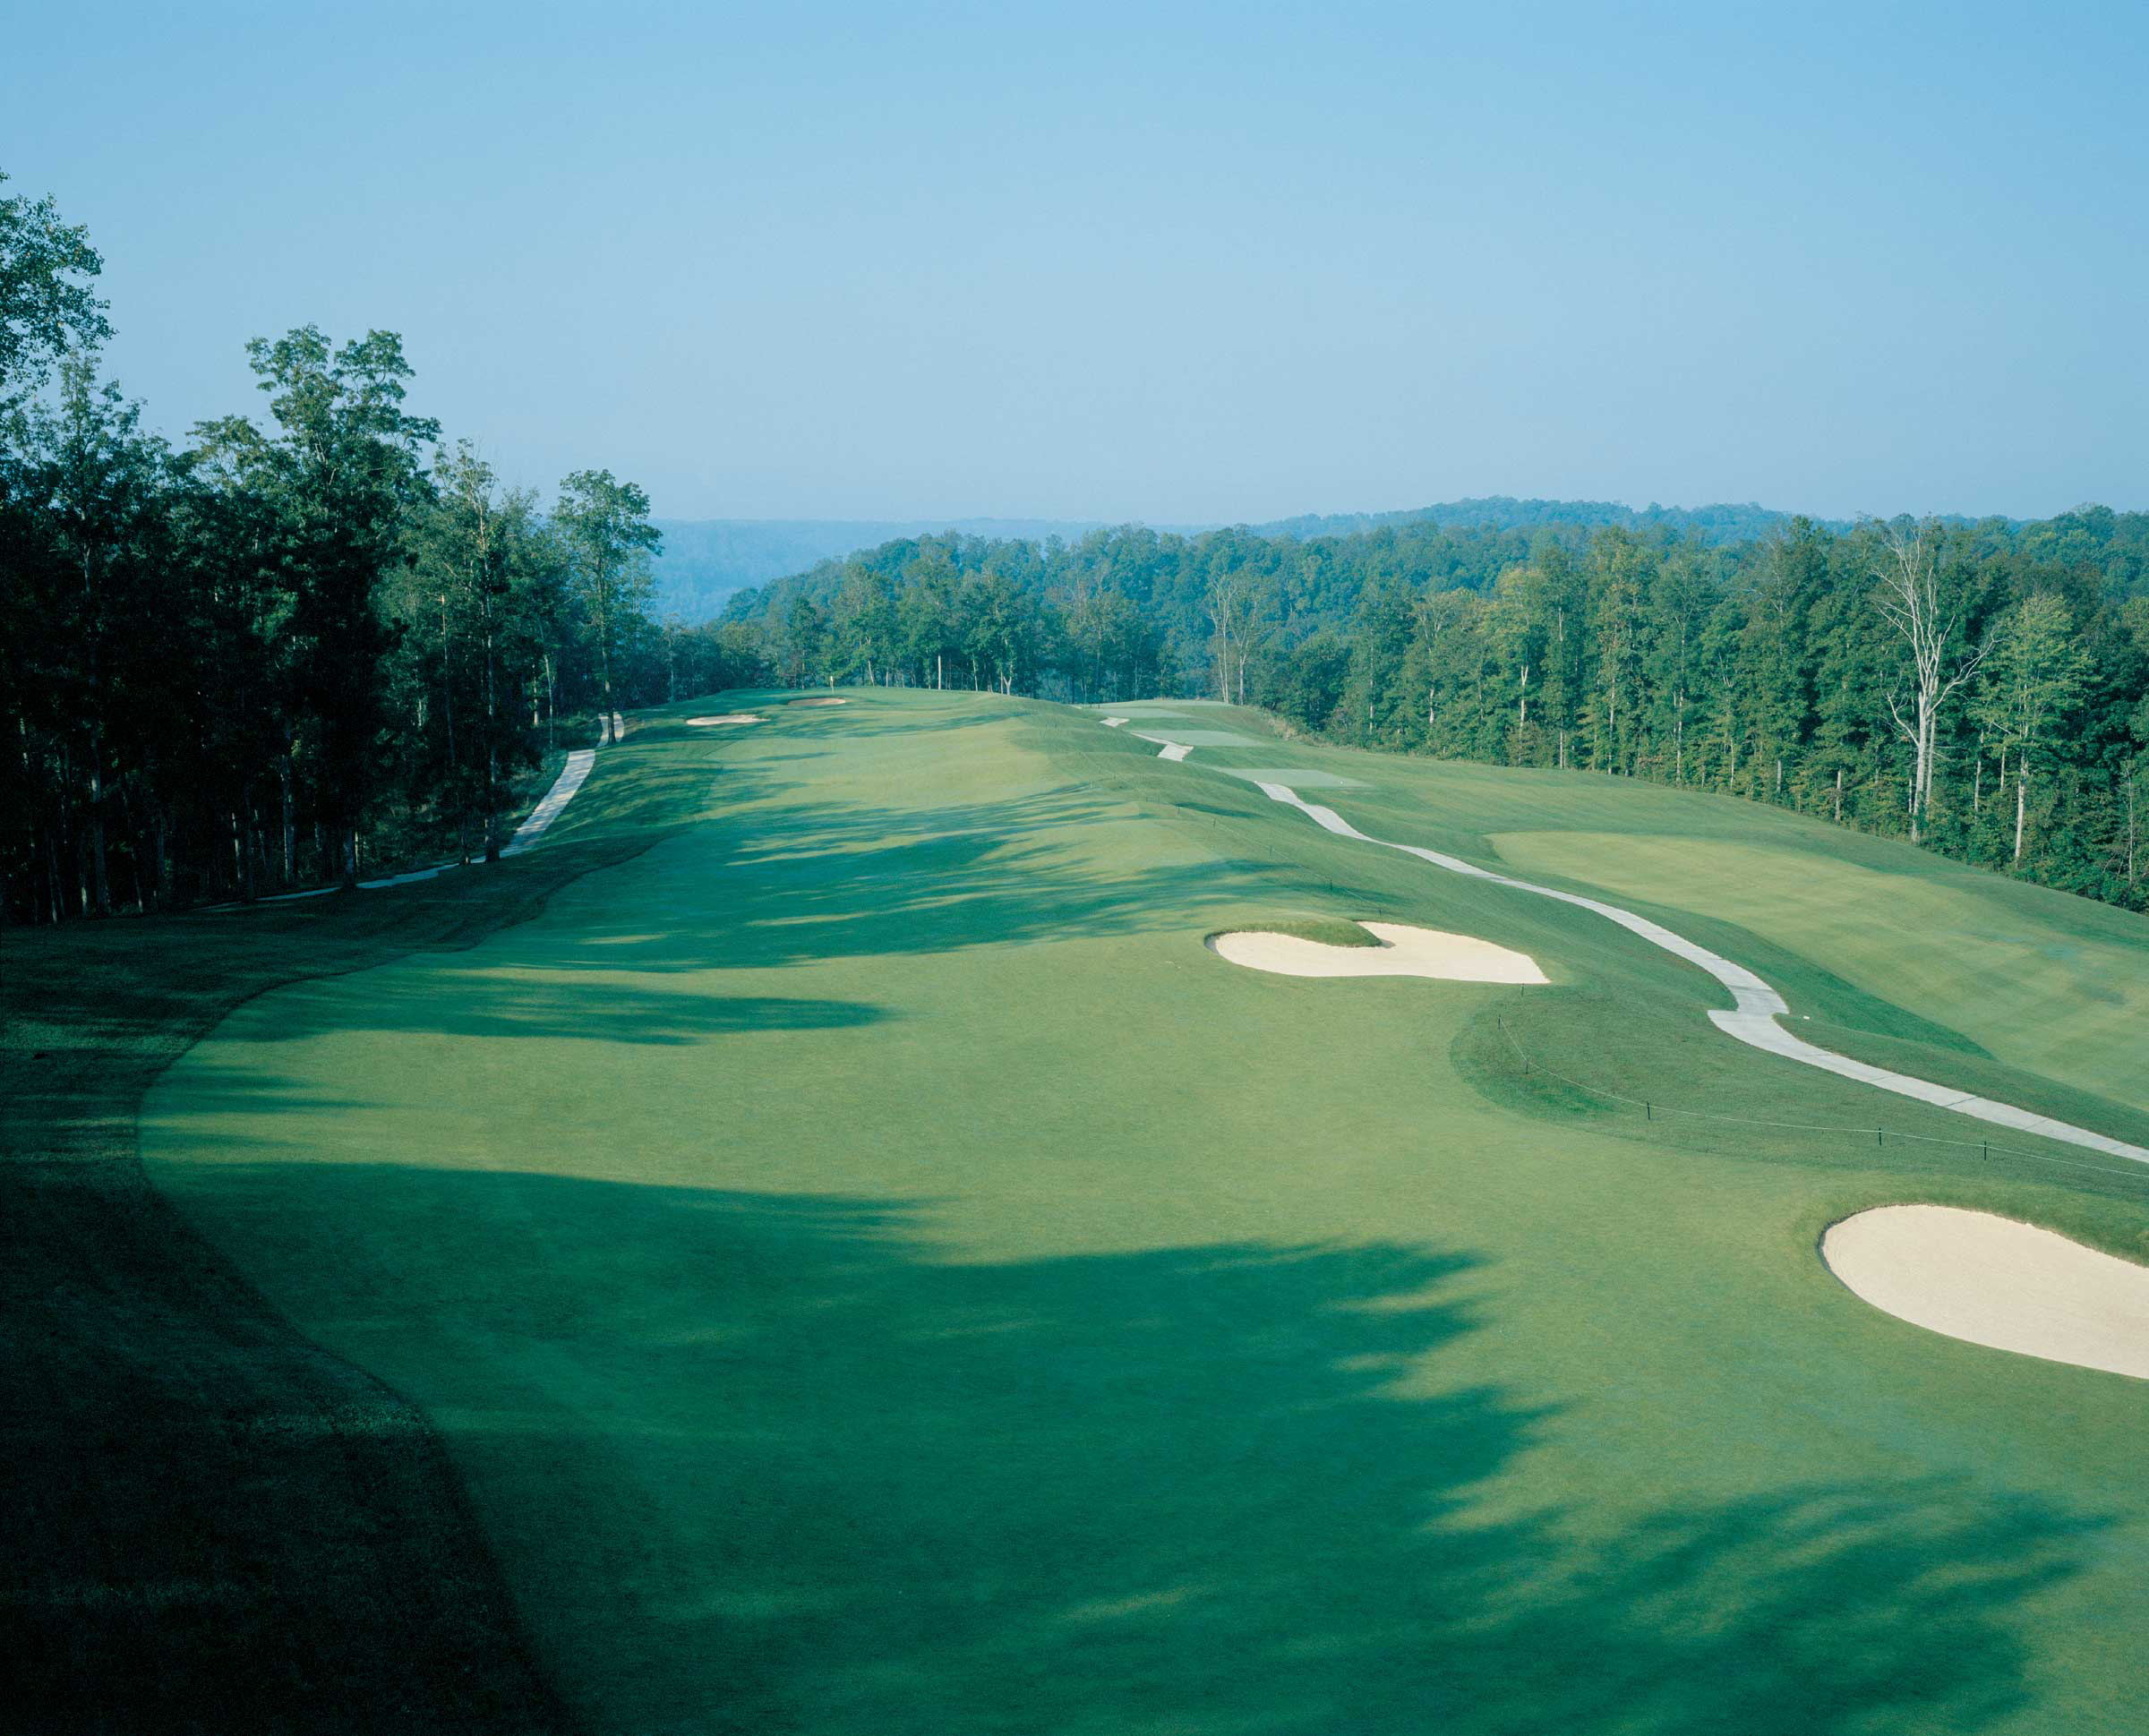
(1403, 951)
(728, 717)
(1997, 1282)
(817, 702)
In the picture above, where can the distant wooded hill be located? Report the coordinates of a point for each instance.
(707, 561)
(1714, 525)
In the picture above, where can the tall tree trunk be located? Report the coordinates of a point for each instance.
(100, 883)
(284, 782)
(2021, 782)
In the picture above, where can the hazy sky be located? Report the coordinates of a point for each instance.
(1171, 262)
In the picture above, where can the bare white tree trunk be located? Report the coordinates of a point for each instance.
(1223, 608)
(2021, 780)
(1910, 600)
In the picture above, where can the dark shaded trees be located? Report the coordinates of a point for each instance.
(338, 475)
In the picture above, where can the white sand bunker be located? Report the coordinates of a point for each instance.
(817, 702)
(1994, 1281)
(729, 717)
(1403, 951)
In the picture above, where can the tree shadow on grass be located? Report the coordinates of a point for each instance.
(458, 1002)
(790, 887)
(758, 1462)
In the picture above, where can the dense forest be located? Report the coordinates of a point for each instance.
(1980, 688)
(294, 648)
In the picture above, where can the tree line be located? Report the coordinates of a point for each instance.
(295, 647)
(1981, 688)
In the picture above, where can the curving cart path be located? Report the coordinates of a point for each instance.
(573, 774)
(1756, 1006)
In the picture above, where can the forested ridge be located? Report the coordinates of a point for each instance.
(707, 562)
(293, 647)
(1980, 688)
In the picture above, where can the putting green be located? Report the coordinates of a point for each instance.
(874, 1271)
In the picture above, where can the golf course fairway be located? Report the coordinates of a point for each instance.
(875, 1270)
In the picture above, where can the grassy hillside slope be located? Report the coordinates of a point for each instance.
(873, 1269)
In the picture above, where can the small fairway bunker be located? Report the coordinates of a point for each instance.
(728, 717)
(1403, 951)
(824, 701)
(1995, 1281)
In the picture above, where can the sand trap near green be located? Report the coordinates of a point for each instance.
(1993, 1281)
(729, 717)
(824, 701)
(1404, 952)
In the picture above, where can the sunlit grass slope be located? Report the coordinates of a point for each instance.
(876, 1271)
(2055, 984)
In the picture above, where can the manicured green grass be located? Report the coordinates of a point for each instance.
(2051, 983)
(1328, 930)
(875, 1270)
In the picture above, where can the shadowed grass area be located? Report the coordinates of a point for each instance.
(213, 1524)
(873, 1269)
(801, 1470)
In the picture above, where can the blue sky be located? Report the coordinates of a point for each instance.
(1179, 263)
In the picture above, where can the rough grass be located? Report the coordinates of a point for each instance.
(873, 1270)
